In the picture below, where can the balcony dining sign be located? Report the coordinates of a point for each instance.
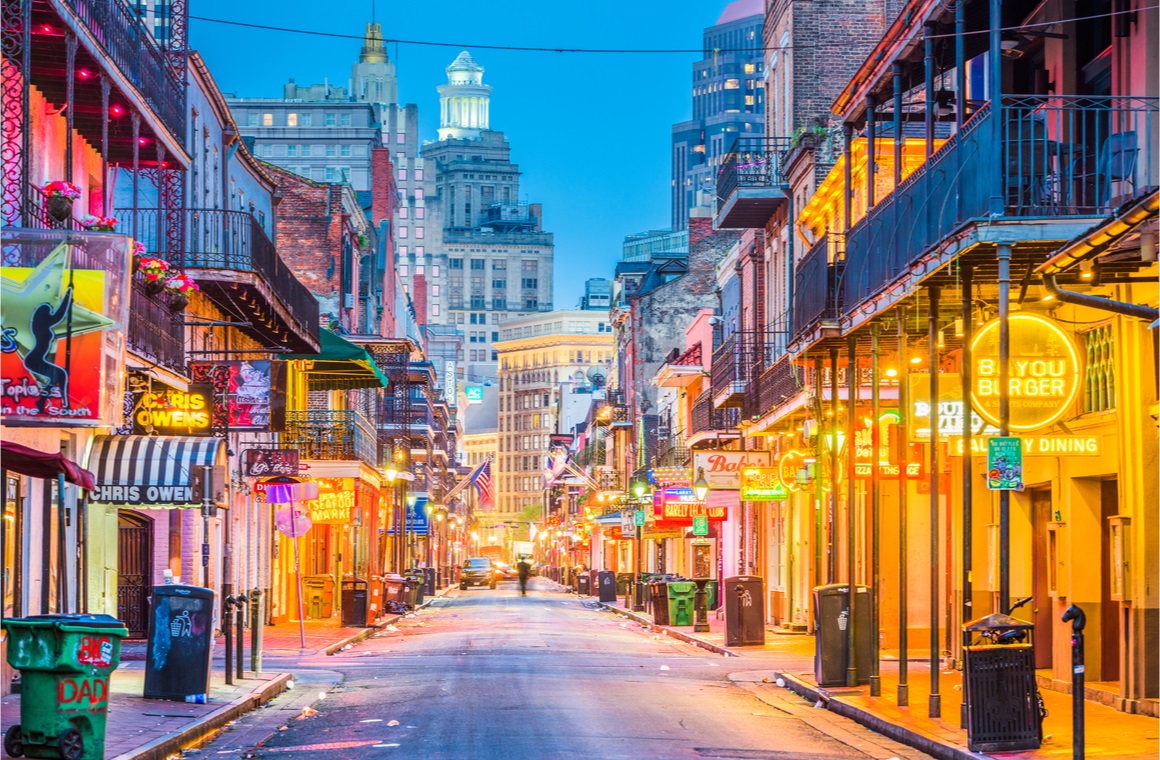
(62, 328)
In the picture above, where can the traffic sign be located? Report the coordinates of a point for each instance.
(700, 525)
(638, 518)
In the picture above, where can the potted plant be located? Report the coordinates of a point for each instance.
(156, 272)
(138, 256)
(180, 287)
(61, 195)
(99, 223)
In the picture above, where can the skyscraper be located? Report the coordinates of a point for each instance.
(494, 257)
(728, 89)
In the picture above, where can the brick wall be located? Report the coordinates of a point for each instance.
(384, 200)
(419, 298)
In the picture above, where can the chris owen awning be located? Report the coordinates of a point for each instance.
(150, 472)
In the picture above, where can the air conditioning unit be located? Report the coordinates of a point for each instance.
(348, 300)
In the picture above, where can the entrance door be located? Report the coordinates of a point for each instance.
(1040, 601)
(134, 571)
(1109, 609)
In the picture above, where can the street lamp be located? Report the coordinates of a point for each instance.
(700, 485)
(409, 529)
(700, 568)
(639, 489)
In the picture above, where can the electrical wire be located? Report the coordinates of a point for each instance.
(635, 51)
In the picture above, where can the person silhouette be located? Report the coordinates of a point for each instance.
(44, 319)
(524, 569)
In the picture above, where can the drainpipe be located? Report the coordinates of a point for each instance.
(1099, 302)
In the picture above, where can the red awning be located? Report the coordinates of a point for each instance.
(39, 464)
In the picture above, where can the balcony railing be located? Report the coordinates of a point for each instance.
(750, 182)
(816, 276)
(704, 417)
(1074, 156)
(343, 435)
(155, 333)
(132, 49)
(671, 452)
(221, 240)
(774, 387)
(735, 363)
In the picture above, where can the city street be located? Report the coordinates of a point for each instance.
(485, 673)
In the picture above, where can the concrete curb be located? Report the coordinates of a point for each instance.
(898, 733)
(382, 622)
(671, 632)
(175, 742)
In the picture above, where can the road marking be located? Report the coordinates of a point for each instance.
(323, 747)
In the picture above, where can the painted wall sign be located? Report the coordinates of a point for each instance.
(723, 468)
(174, 412)
(60, 350)
(762, 484)
(267, 463)
(1040, 446)
(450, 383)
(1044, 372)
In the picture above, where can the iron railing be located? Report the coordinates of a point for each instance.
(1073, 156)
(777, 385)
(816, 275)
(132, 49)
(737, 360)
(752, 162)
(704, 417)
(671, 451)
(155, 333)
(343, 435)
(216, 239)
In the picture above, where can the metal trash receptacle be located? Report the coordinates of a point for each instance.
(623, 583)
(682, 596)
(658, 592)
(744, 599)
(606, 585)
(999, 688)
(394, 594)
(712, 594)
(318, 596)
(831, 623)
(582, 581)
(593, 582)
(180, 642)
(65, 662)
(429, 576)
(354, 603)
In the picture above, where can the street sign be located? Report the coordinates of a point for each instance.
(627, 523)
(1005, 464)
(638, 518)
(700, 525)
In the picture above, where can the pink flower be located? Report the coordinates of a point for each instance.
(181, 283)
(60, 187)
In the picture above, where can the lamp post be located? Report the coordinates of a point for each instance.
(409, 529)
(639, 489)
(700, 568)
(391, 474)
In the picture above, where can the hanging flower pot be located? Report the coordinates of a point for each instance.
(154, 287)
(178, 302)
(138, 257)
(99, 223)
(59, 200)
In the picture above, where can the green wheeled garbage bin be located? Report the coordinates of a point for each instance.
(64, 662)
(681, 599)
(711, 596)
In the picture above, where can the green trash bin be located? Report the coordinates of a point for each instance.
(64, 662)
(681, 596)
(711, 594)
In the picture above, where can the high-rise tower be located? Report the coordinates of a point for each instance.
(465, 101)
(372, 78)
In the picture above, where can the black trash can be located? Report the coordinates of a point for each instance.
(180, 643)
(999, 687)
(429, 589)
(658, 594)
(606, 580)
(415, 583)
(831, 626)
(582, 583)
(354, 603)
(593, 582)
(744, 611)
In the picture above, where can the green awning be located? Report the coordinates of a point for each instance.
(339, 365)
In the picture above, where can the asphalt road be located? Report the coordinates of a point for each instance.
(491, 674)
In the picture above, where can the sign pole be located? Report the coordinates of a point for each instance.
(1004, 256)
(903, 698)
(968, 318)
(298, 580)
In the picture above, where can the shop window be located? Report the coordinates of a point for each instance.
(1099, 392)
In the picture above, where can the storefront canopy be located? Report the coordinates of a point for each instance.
(150, 472)
(41, 464)
(340, 365)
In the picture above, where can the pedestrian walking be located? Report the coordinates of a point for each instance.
(524, 569)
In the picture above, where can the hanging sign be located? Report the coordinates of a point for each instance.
(950, 408)
(722, 469)
(700, 525)
(789, 466)
(1044, 372)
(473, 394)
(293, 521)
(1004, 464)
(335, 501)
(174, 412)
(864, 460)
(269, 462)
(627, 523)
(762, 484)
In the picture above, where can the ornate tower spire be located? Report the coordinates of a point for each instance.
(372, 78)
(465, 101)
(373, 49)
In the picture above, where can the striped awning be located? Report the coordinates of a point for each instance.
(149, 471)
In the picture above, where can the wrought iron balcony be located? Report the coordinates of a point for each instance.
(751, 183)
(735, 363)
(1066, 159)
(707, 418)
(774, 387)
(237, 266)
(155, 333)
(343, 435)
(816, 278)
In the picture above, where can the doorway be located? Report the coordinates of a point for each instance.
(1109, 608)
(134, 571)
(1041, 603)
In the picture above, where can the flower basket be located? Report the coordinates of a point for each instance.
(138, 257)
(178, 302)
(99, 223)
(180, 288)
(154, 287)
(59, 207)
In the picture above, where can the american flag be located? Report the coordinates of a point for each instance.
(482, 482)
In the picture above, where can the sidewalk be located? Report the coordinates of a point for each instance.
(150, 729)
(1108, 732)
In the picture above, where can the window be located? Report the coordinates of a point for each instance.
(478, 302)
(477, 264)
(473, 316)
(418, 193)
(531, 265)
(420, 212)
(402, 232)
(435, 308)
(750, 68)
(402, 250)
(455, 263)
(435, 290)
(318, 174)
(404, 270)
(331, 174)
(331, 151)
(499, 303)
(531, 304)
(305, 120)
(499, 284)
(419, 252)
(400, 139)
(494, 336)
(434, 269)
(418, 174)
(344, 150)
(419, 230)
(291, 150)
(494, 354)
(400, 157)
(330, 120)
(267, 120)
(306, 152)
(402, 174)
(252, 118)
(344, 120)
(530, 283)
(402, 212)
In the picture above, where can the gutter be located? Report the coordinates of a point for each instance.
(1099, 302)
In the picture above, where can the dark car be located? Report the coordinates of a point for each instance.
(477, 571)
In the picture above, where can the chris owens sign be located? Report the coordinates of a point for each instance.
(180, 412)
(1044, 372)
(722, 469)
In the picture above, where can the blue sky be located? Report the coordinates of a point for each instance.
(590, 132)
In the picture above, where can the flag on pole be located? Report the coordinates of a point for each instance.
(481, 479)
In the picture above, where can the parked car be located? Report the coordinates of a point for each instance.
(477, 571)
